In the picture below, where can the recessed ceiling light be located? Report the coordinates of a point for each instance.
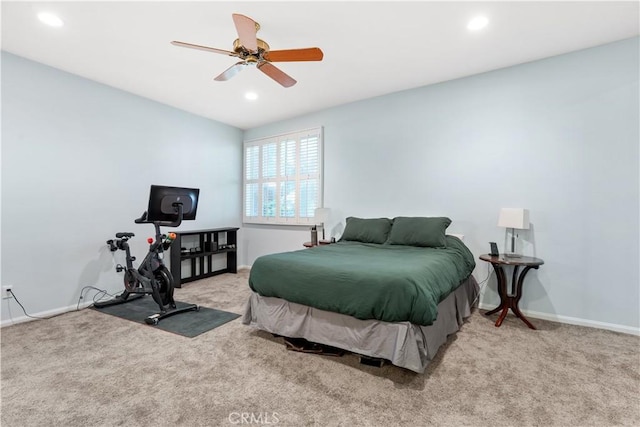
(252, 96)
(477, 23)
(50, 19)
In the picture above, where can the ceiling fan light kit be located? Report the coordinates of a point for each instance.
(254, 51)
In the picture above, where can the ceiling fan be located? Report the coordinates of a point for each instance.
(253, 51)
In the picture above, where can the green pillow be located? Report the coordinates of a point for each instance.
(369, 230)
(419, 231)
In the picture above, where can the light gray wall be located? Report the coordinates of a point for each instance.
(78, 158)
(557, 136)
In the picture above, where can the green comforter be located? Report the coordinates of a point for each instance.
(392, 283)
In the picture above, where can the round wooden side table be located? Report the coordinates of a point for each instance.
(511, 300)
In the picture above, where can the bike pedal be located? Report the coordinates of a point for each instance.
(119, 268)
(133, 258)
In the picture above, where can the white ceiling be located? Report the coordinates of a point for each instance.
(370, 48)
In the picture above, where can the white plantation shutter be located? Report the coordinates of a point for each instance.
(309, 176)
(252, 169)
(283, 178)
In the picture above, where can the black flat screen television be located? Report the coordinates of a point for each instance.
(163, 198)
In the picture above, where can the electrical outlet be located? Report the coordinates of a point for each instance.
(6, 291)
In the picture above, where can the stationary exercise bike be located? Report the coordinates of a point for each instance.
(168, 206)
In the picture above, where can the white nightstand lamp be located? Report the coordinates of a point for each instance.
(514, 218)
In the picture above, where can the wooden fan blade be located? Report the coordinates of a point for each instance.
(231, 71)
(290, 55)
(276, 74)
(246, 28)
(205, 48)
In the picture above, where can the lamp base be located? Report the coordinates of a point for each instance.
(512, 255)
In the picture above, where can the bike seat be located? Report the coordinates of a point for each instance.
(121, 235)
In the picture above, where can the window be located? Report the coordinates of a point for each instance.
(282, 178)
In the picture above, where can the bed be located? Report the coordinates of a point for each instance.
(392, 289)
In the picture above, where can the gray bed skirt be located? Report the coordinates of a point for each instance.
(404, 344)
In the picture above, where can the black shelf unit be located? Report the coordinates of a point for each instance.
(201, 261)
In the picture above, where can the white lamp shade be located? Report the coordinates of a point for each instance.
(322, 215)
(514, 218)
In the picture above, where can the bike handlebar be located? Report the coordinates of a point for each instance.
(144, 218)
(112, 246)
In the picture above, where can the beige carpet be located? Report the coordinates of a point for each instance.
(91, 369)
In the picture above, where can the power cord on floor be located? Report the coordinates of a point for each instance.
(10, 291)
(101, 293)
(485, 282)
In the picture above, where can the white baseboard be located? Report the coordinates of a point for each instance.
(44, 314)
(529, 313)
(573, 320)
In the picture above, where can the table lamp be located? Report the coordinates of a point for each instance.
(514, 218)
(321, 216)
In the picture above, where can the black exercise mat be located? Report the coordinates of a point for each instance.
(188, 323)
